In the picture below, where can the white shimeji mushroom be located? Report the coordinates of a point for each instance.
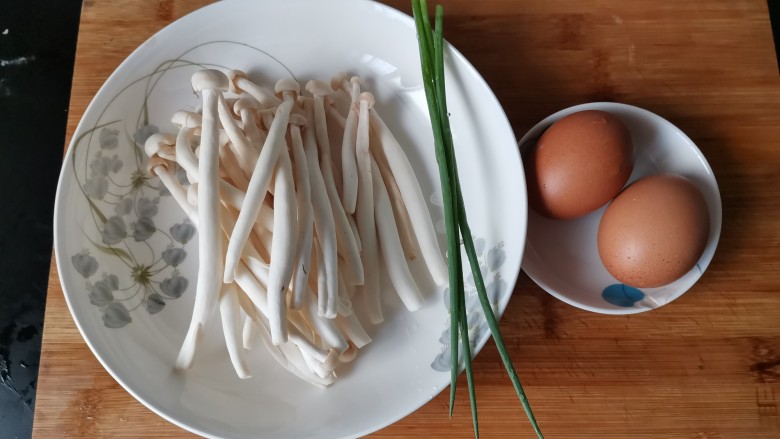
(399, 208)
(324, 224)
(164, 170)
(261, 176)
(185, 156)
(161, 144)
(231, 325)
(239, 82)
(348, 164)
(346, 241)
(269, 215)
(390, 244)
(305, 231)
(210, 83)
(412, 195)
(239, 142)
(350, 325)
(229, 163)
(365, 213)
(247, 108)
(283, 246)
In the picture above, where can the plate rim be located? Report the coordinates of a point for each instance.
(60, 227)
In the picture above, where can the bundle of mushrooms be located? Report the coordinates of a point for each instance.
(286, 238)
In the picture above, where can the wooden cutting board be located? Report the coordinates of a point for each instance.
(706, 366)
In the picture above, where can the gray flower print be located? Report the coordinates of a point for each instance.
(103, 291)
(174, 287)
(96, 187)
(182, 232)
(115, 315)
(84, 264)
(146, 207)
(143, 229)
(114, 231)
(124, 206)
(174, 256)
(154, 303)
(109, 138)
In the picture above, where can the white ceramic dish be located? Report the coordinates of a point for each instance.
(127, 257)
(562, 256)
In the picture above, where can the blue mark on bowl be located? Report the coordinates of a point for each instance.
(622, 295)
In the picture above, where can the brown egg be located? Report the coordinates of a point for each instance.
(654, 231)
(579, 164)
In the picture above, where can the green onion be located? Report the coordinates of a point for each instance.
(431, 45)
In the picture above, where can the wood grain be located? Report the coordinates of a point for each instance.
(706, 366)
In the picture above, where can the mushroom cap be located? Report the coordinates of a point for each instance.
(189, 119)
(154, 162)
(233, 76)
(357, 80)
(318, 88)
(160, 143)
(297, 119)
(246, 103)
(285, 85)
(367, 97)
(210, 79)
(338, 80)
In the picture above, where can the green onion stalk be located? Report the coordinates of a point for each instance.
(431, 45)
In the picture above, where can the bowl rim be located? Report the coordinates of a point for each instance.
(716, 210)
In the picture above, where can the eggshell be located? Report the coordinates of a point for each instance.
(654, 231)
(579, 164)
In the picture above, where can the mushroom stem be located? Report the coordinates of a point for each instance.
(246, 108)
(162, 169)
(355, 233)
(324, 224)
(230, 164)
(346, 241)
(344, 305)
(185, 157)
(348, 164)
(250, 329)
(323, 326)
(350, 325)
(258, 184)
(365, 214)
(209, 82)
(399, 208)
(282, 248)
(331, 301)
(231, 326)
(305, 230)
(239, 82)
(413, 198)
(390, 244)
(240, 145)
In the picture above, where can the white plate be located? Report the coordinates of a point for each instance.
(120, 304)
(562, 256)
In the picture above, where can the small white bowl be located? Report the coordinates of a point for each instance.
(562, 256)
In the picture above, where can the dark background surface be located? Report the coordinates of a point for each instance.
(37, 48)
